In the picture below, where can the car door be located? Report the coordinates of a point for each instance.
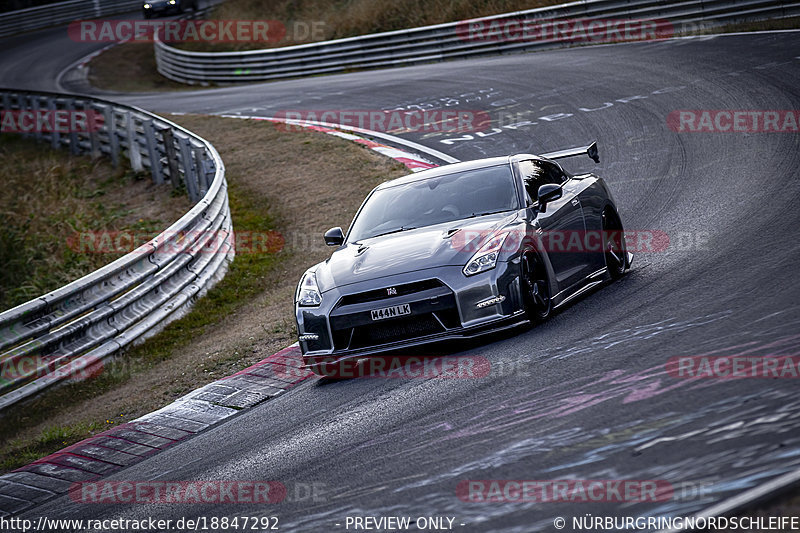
(562, 221)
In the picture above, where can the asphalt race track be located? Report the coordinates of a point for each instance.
(585, 395)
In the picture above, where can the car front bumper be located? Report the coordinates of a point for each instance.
(444, 308)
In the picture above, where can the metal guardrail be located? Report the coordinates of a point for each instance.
(71, 330)
(442, 41)
(35, 18)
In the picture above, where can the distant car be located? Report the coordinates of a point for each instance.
(459, 251)
(167, 7)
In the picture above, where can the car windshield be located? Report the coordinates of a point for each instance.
(436, 200)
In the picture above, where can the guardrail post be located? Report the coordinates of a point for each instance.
(55, 138)
(169, 149)
(202, 170)
(113, 141)
(94, 140)
(34, 104)
(24, 102)
(152, 152)
(7, 104)
(74, 143)
(189, 174)
(133, 145)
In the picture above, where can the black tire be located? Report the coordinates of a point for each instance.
(614, 244)
(535, 285)
(146, 14)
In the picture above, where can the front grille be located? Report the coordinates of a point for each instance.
(395, 330)
(433, 307)
(382, 294)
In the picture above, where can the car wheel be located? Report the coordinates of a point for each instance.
(535, 288)
(613, 244)
(146, 14)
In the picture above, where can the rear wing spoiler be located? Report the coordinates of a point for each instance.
(590, 150)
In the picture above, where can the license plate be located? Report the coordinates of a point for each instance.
(391, 312)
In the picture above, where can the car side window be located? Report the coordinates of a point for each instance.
(538, 173)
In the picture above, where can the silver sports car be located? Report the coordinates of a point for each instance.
(459, 251)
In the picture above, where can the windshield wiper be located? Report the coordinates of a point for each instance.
(474, 215)
(398, 230)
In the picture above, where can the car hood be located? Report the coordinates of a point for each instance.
(407, 251)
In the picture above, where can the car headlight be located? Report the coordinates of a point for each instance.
(172, 2)
(308, 294)
(147, 6)
(486, 257)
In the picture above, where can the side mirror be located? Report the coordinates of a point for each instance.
(334, 237)
(547, 193)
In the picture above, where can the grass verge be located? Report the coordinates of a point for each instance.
(298, 183)
(70, 196)
(138, 75)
